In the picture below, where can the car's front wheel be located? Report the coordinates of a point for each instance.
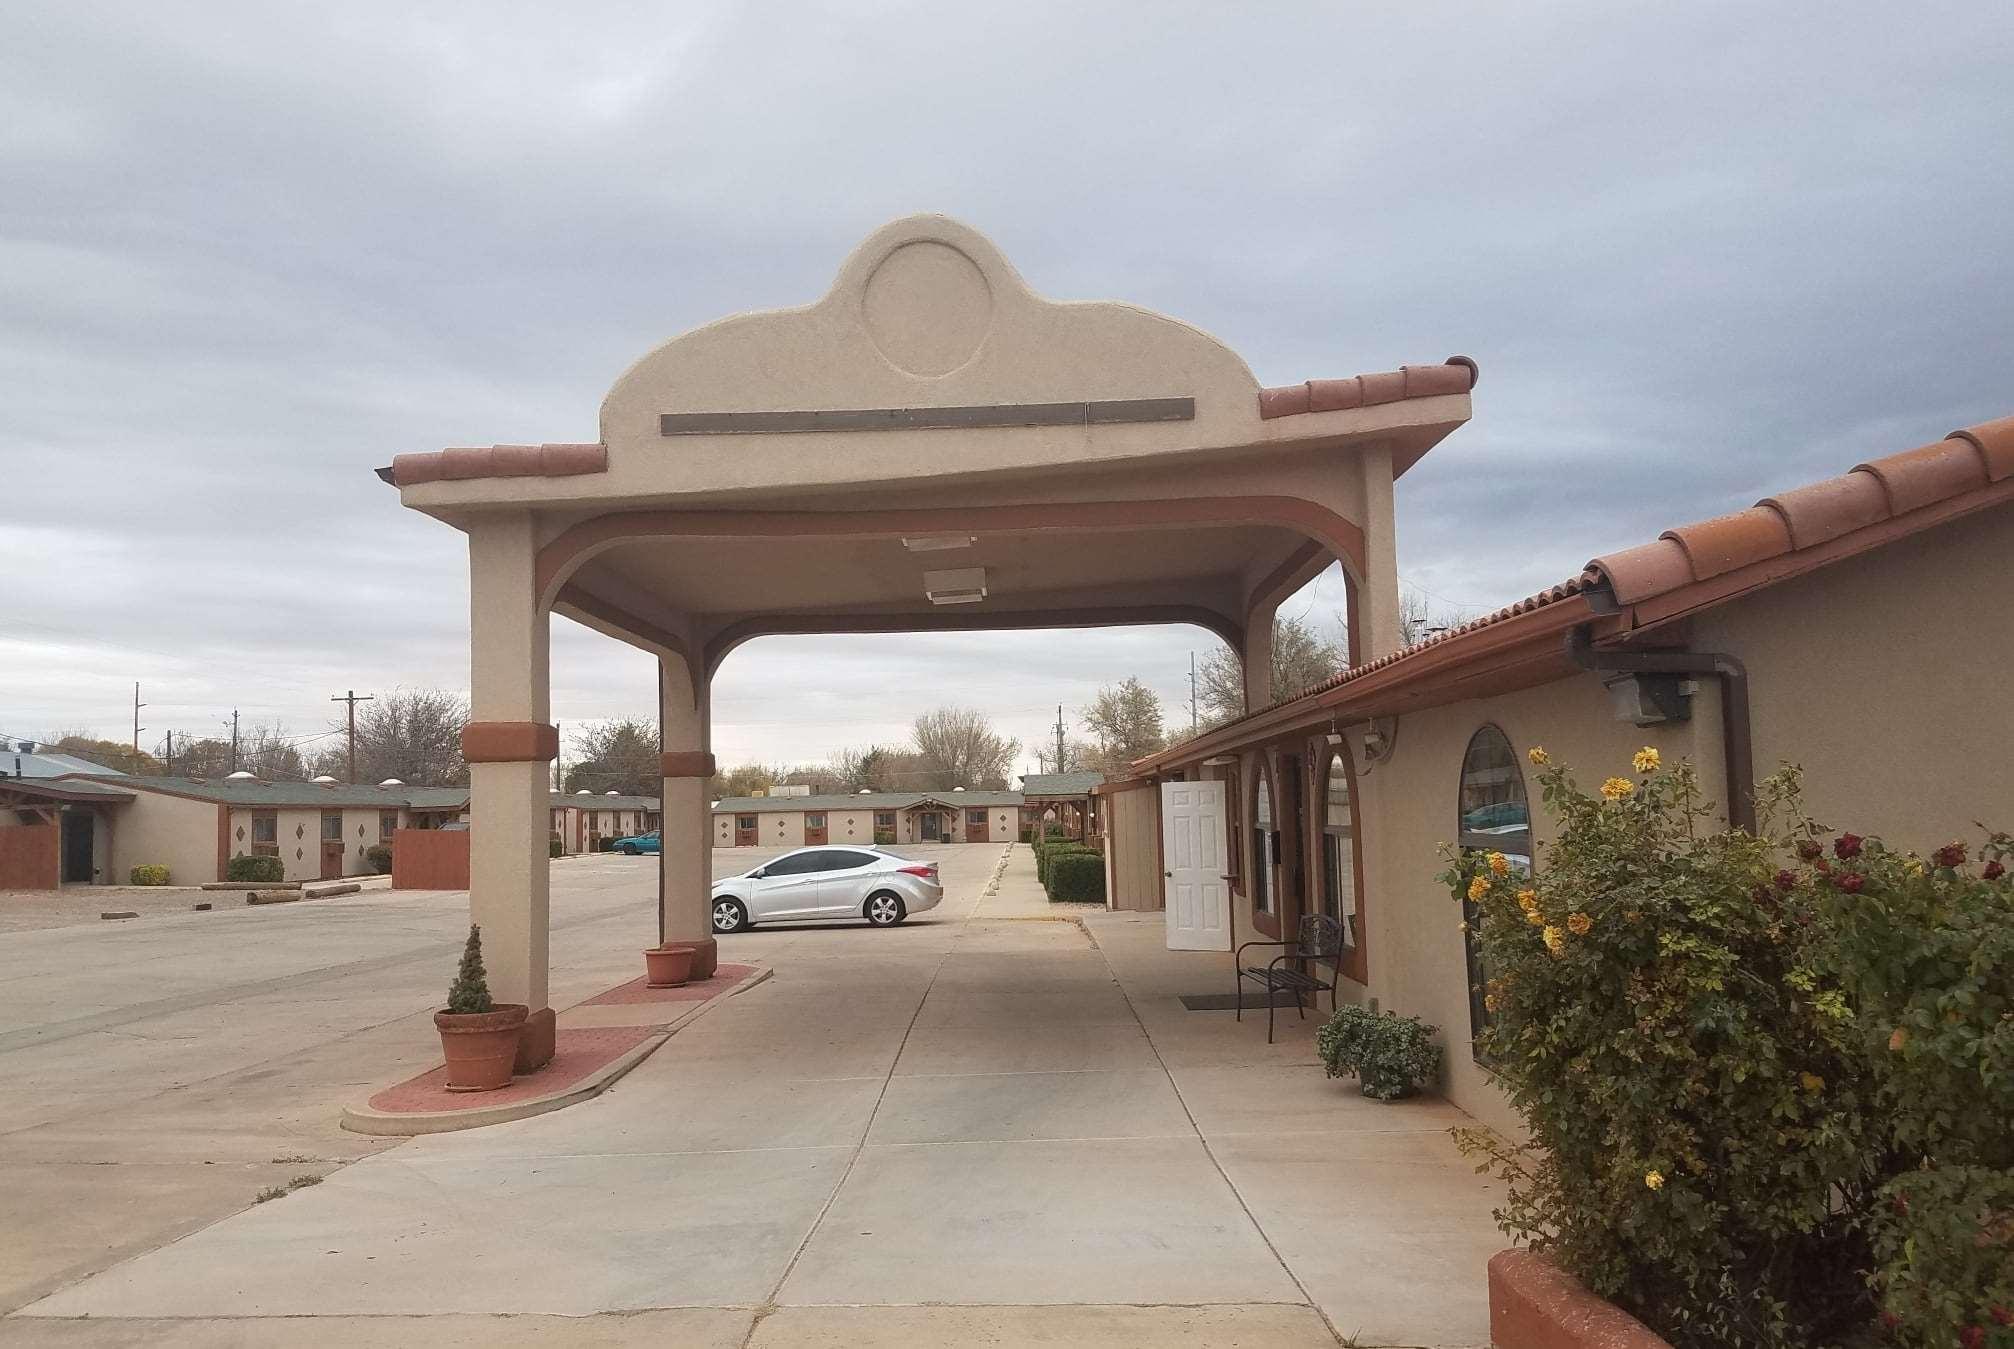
(728, 915)
(627, 850)
(885, 909)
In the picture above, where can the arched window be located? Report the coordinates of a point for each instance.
(1339, 846)
(1494, 816)
(1264, 854)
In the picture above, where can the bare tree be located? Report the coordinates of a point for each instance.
(1126, 720)
(618, 756)
(958, 747)
(414, 735)
(1302, 658)
(746, 780)
(1078, 755)
(1420, 618)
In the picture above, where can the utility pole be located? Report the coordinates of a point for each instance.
(353, 698)
(168, 751)
(137, 727)
(1192, 694)
(1059, 737)
(234, 740)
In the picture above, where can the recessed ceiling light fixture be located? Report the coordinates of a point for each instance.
(939, 543)
(966, 585)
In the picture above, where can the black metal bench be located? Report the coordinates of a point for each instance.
(1294, 971)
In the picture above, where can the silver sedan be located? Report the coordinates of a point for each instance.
(824, 885)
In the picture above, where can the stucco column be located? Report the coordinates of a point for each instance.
(685, 854)
(509, 744)
(1258, 656)
(1377, 591)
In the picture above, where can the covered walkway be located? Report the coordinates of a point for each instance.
(974, 1128)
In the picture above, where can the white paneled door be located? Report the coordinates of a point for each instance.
(1197, 896)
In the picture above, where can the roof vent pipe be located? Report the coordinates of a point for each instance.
(1737, 747)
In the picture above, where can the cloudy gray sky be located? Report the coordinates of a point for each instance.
(248, 252)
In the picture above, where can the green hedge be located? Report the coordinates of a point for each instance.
(1045, 863)
(379, 855)
(553, 848)
(243, 868)
(1077, 877)
(149, 873)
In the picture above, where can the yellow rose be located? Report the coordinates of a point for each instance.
(1811, 1082)
(1534, 917)
(1646, 760)
(1617, 788)
(1555, 940)
(1578, 924)
(1527, 900)
(1654, 1179)
(1489, 1002)
(1478, 887)
(1499, 864)
(1539, 758)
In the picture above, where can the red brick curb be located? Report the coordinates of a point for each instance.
(1534, 1304)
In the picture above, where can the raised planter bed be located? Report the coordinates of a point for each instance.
(251, 885)
(1534, 1304)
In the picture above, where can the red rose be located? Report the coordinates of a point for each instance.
(1808, 850)
(1950, 855)
(1786, 880)
(2002, 1316)
(1890, 1320)
(1900, 1203)
(1822, 867)
(1851, 881)
(1972, 1337)
(1846, 845)
(1994, 871)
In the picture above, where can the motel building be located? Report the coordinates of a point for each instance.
(784, 820)
(932, 446)
(84, 824)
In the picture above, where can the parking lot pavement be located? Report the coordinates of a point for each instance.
(962, 1128)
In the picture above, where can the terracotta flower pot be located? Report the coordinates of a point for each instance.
(669, 966)
(481, 1046)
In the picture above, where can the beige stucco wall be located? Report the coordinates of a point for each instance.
(173, 830)
(723, 830)
(1887, 678)
(780, 828)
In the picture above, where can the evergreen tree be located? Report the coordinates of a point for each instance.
(469, 994)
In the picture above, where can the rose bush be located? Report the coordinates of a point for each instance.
(1769, 1083)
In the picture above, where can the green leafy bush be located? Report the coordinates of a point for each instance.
(884, 837)
(1924, 951)
(1027, 835)
(149, 873)
(469, 994)
(1392, 1056)
(379, 858)
(1077, 878)
(265, 869)
(554, 848)
(1045, 860)
(1769, 1091)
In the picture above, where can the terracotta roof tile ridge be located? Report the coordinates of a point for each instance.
(1457, 374)
(1805, 517)
(499, 461)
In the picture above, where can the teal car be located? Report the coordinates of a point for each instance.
(639, 843)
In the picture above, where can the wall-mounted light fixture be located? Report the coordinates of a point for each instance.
(965, 585)
(939, 543)
(1648, 699)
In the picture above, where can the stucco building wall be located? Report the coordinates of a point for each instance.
(171, 830)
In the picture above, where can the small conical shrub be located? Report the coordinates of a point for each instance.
(469, 994)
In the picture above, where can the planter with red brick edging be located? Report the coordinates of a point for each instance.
(1534, 1304)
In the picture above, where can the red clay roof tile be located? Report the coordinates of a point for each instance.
(499, 461)
(1995, 442)
(1821, 511)
(1647, 569)
(1929, 473)
(1725, 542)
(1457, 375)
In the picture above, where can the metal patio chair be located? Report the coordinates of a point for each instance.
(1295, 970)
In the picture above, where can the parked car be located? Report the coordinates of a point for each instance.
(825, 885)
(636, 843)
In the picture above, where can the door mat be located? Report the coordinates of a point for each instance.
(1228, 1002)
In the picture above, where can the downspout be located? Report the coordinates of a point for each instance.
(1737, 747)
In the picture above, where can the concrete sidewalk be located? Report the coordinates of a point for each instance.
(967, 1128)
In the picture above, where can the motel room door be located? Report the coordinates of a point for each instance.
(930, 827)
(1197, 897)
(332, 845)
(975, 825)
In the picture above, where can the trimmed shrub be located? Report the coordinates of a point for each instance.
(379, 857)
(1077, 878)
(1027, 836)
(469, 994)
(1391, 1056)
(554, 848)
(149, 873)
(265, 869)
(884, 837)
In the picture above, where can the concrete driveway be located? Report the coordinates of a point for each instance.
(986, 1127)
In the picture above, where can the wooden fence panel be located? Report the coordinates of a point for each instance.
(28, 857)
(430, 859)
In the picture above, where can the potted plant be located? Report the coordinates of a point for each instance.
(1392, 1056)
(478, 1037)
(669, 965)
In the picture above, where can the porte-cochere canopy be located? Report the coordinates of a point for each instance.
(930, 446)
